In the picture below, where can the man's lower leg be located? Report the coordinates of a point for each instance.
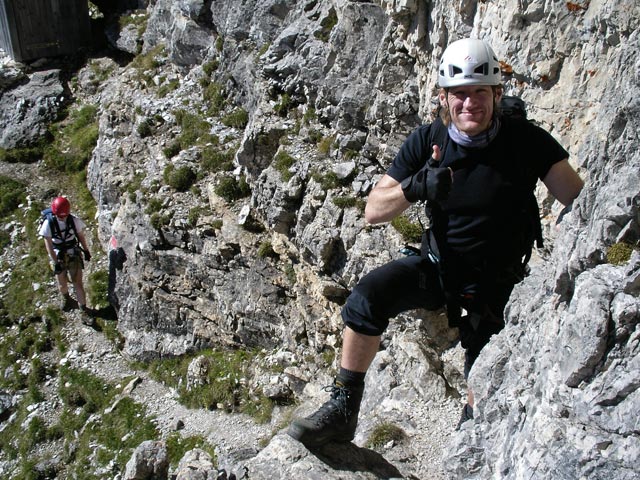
(336, 420)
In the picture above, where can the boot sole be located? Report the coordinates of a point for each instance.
(316, 441)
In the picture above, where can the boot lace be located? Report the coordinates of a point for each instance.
(337, 404)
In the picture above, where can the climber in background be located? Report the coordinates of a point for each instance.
(67, 247)
(476, 169)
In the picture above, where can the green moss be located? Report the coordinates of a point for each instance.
(122, 427)
(32, 268)
(410, 232)
(266, 250)
(327, 25)
(385, 433)
(329, 180)
(138, 19)
(620, 253)
(217, 224)
(349, 202)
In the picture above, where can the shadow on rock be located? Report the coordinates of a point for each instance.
(350, 457)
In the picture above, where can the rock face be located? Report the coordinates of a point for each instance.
(28, 107)
(330, 90)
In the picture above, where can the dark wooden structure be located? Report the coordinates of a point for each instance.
(32, 29)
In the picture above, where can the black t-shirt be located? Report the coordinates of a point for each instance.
(482, 216)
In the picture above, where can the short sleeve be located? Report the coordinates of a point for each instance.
(45, 229)
(412, 156)
(545, 149)
(79, 224)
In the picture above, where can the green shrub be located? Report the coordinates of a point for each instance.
(178, 446)
(236, 119)
(22, 155)
(309, 116)
(74, 141)
(324, 145)
(145, 128)
(12, 194)
(98, 288)
(154, 205)
(214, 96)
(194, 129)
(232, 189)
(172, 150)
(210, 67)
(282, 163)
(215, 160)
(181, 178)
(165, 89)
(194, 215)
(159, 220)
(284, 105)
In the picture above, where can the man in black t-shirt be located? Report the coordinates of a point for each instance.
(478, 186)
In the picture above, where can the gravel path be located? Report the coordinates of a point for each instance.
(90, 350)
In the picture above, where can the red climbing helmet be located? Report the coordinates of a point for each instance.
(60, 206)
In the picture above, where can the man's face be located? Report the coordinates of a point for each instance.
(470, 107)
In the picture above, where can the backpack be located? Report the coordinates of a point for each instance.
(511, 107)
(47, 216)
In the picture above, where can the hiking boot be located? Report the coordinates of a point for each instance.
(68, 303)
(335, 421)
(467, 414)
(86, 316)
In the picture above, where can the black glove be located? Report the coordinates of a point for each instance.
(427, 184)
(87, 256)
(57, 268)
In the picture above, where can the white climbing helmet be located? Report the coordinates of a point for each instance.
(468, 62)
